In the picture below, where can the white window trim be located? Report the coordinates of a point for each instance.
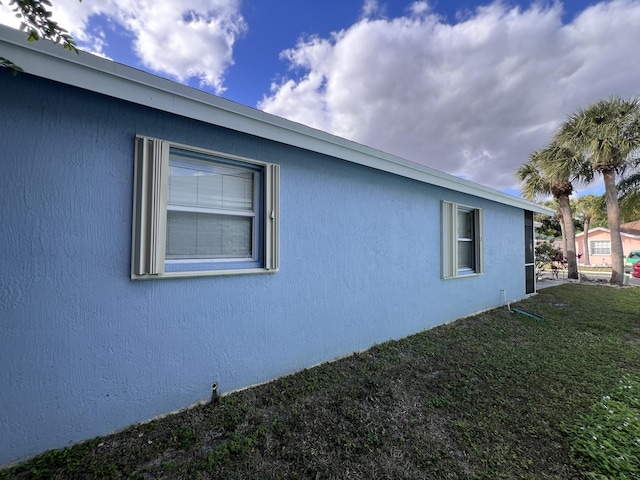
(450, 241)
(151, 184)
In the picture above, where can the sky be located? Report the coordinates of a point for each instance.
(468, 87)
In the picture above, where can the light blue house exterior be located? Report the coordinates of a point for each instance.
(349, 247)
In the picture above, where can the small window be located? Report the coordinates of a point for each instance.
(199, 212)
(462, 240)
(600, 247)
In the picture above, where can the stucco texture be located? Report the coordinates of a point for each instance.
(85, 351)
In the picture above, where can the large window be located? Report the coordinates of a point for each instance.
(600, 247)
(462, 240)
(199, 212)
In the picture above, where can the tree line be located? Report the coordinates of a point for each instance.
(602, 140)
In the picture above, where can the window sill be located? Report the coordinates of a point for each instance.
(204, 273)
(463, 275)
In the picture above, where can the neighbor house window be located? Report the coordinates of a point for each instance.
(600, 247)
(462, 240)
(199, 212)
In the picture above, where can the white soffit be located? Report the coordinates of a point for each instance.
(90, 72)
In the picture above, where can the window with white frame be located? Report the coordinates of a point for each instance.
(198, 212)
(462, 240)
(600, 247)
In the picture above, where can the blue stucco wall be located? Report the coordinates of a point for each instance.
(85, 351)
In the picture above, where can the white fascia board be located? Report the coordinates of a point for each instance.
(593, 230)
(90, 72)
(606, 230)
(628, 235)
(599, 229)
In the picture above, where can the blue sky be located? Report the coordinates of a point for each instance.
(467, 87)
(276, 26)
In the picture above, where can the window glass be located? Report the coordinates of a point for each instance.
(465, 224)
(199, 185)
(465, 240)
(210, 210)
(601, 247)
(465, 255)
(204, 235)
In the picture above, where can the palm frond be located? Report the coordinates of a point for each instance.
(533, 182)
(606, 133)
(630, 207)
(629, 184)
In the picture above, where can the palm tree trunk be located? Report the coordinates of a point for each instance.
(564, 234)
(570, 236)
(587, 222)
(613, 221)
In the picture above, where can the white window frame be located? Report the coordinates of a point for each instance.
(450, 240)
(150, 205)
(593, 247)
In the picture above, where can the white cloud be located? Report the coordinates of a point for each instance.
(472, 98)
(181, 40)
(419, 8)
(370, 8)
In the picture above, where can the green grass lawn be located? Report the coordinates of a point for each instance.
(496, 396)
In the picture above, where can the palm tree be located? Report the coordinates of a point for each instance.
(606, 134)
(536, 180)
(589, 207)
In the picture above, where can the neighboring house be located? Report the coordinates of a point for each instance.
(157, 239)
(600, 242)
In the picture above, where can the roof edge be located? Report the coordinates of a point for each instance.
(606, 230)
